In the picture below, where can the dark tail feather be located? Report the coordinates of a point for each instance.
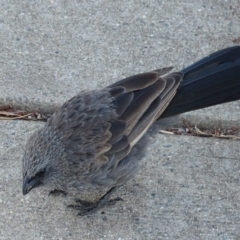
(212, 80)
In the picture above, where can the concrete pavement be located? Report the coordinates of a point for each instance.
(188, 187)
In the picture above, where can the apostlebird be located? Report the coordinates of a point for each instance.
(90, 142)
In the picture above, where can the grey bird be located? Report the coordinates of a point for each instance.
(91, 141)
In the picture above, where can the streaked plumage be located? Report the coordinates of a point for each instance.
(85, 145)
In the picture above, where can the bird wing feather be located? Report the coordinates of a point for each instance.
(145, 97)
(99, 128)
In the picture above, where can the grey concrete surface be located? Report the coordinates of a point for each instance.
(188, 188)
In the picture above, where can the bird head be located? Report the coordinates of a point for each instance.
(40, 160)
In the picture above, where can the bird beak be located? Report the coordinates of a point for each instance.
(29, 184)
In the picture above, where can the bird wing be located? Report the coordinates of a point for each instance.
(139, 100)
(99, 128)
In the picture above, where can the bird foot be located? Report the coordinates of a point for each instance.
(56, 193)
(85, 207)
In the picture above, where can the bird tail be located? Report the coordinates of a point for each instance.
(212, 80)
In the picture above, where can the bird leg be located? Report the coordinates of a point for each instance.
(86, 207)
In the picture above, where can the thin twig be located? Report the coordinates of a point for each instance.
(6, 118)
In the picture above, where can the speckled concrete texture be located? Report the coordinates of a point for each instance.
(188, 187)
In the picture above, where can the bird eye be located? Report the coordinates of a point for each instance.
(41, 173)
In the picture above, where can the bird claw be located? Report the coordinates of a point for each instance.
(86, 207)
